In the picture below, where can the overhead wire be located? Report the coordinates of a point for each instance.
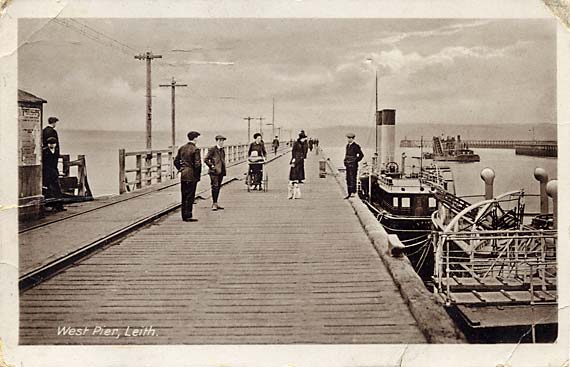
(95, 37)
(104, 35)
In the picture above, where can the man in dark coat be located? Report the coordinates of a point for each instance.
(216, 162)
(189, 163)
(352, 156)
(50, 132)
(50, 173)
(275, 145)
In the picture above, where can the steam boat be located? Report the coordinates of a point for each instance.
(403, 200)
(450, 149)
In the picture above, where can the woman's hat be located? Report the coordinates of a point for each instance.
(256, 135)
(302, 134)
(350, 135)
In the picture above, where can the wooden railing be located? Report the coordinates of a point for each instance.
(149, 168)
(156, 166)
(74, 185)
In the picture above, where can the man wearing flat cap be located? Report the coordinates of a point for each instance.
(189, 163)
(50, 132)
(352, 156)
(216, 162)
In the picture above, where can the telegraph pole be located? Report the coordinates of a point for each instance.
(248, 127)
(260, 124)
(148, 57)
(273, 119)
(173, 85)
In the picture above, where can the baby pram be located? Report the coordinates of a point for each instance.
(255, 179)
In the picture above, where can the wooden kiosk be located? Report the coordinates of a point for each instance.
(30, 123)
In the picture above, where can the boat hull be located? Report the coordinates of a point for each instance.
(414, 233)
(459, 158)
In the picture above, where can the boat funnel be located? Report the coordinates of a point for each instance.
(542, 177)
(403, 166)
(388, 136)
(488, 175)
(552, 191)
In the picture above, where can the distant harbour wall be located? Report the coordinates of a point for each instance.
(537, 150)
(500, 144)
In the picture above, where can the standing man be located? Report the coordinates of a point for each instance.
(216, 162)
(50, 132)
(352, 156)
(50, 173)
(189, 164)
(275, 144)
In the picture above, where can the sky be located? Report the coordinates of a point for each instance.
(319, 71)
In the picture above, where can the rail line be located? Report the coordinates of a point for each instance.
(52, 268)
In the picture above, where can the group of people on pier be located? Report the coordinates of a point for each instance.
(189, 163)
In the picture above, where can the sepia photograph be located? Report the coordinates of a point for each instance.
(244, 182)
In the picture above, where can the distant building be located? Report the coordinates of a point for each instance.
(30, 124)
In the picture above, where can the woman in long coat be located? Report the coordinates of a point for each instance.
(297, 172)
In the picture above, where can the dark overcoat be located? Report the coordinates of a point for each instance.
(50, 160)
(297, 171)
(216, 161)
(50, 132)
(353, 155)
(259, 147)
(188, 162)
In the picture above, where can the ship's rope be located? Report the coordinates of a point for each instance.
(413, 240)
(424, 256)
(406, 230)
(422, 246)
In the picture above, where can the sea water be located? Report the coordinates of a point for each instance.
(101, 150)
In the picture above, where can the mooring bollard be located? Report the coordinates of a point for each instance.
(395, 246)
(552, 191)
(488, 175)
(322, 168)
(542, 177)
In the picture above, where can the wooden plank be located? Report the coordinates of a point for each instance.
(297, 272)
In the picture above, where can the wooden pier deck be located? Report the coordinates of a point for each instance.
(264, 270)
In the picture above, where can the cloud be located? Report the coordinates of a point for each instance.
(395, 61)
(447, 30)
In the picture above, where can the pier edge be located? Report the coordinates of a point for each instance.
(434, 322)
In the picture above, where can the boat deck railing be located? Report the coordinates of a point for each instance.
(495, 267)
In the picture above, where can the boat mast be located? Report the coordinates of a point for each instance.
(421, 152)
(376, 113)
(375, 140)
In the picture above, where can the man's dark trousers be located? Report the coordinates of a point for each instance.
(216, 184)
(188, 189)
(351, 171)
